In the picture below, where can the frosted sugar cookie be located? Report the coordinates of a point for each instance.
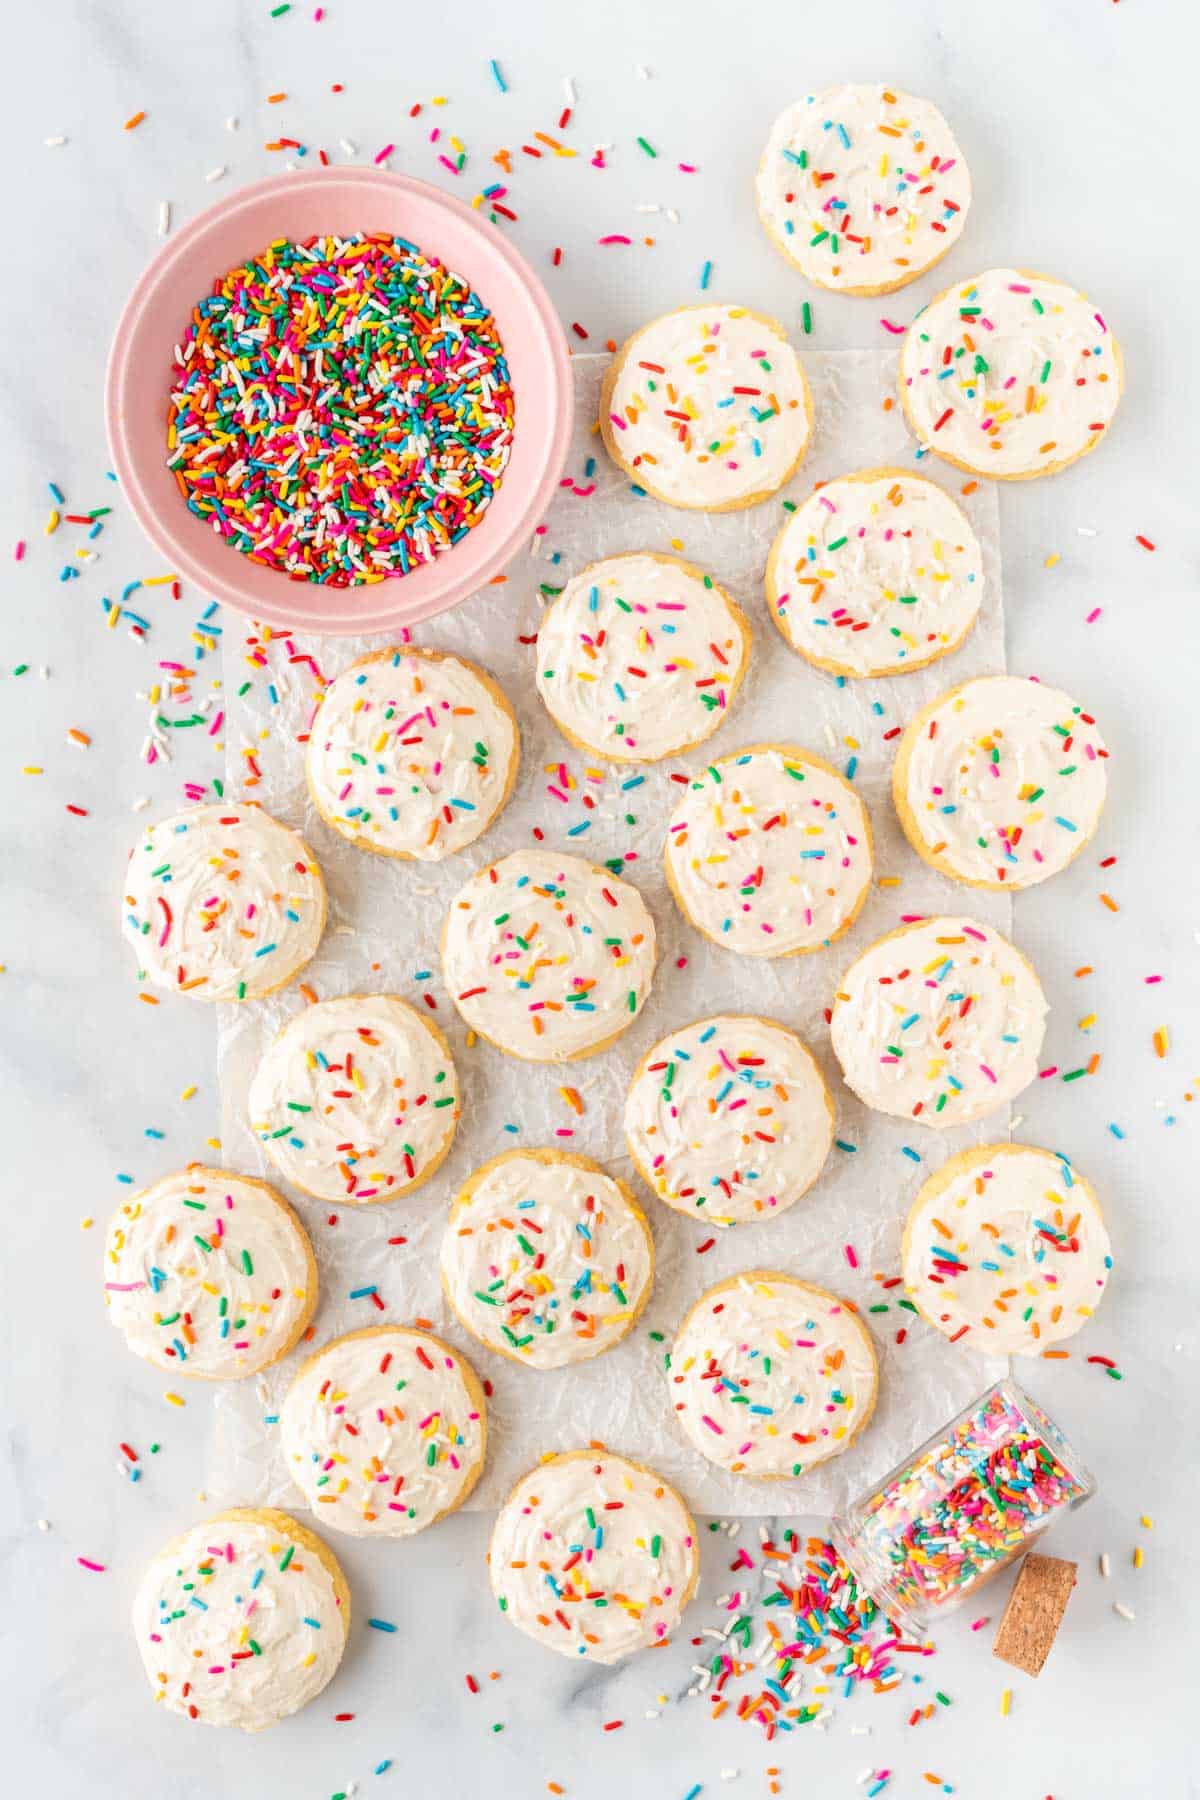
(875, 574)
(862, 188)
(940, 1021)
(209, 1274)
(412, 753)
(1000, 782)
(357, 1099)
(222, 902)
(594, 1556)
(729, 1119)
(384, 1431)
(546, 1259)
(707, 407)
(640, 657)
(548, 957)
(1010, 374)
(242, 1620)
(769, 852)
(770, 1376)
(1005, 1249)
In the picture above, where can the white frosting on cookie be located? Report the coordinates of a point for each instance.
(593, 1556)
(874, 575)
(863, 187)
(545, 1260)
(769, 852)
(356, 1100)
(548, 956)
(709, 407)
(729, 1119)
(238, 1623)
(411, 753)
(1010, 373)
(222, 902)
(1011, 1254)
(381, 1432)
(1005, 780)
(208, 1274)
(639, 657)
(940, 1022)
(769, 1376)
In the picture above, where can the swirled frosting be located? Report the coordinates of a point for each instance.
(1010, 374)
(238, 1622)
(769, 1376)
(769, 852)
(384, 1431)
(593, 1556)
(707, 407)
(729, 1120)
(208, 1274)
(941, 1022)
(640, 656)
(1002, 781)
(545, 1259)
(862, 187)
(1005, 1249)
(548, 956)
(222, 902)
(412, 753)
(356, 1100)
(875, 574)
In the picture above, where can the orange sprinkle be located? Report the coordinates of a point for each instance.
(135, 121)
(274, 99)
(1107, 900)
(1086, 969)
(149, 999)
(78, 737)
(1162, 1041)
(573, 1098)
(969, 487)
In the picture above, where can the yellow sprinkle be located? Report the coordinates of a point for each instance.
(888, 881)
(52, 524)
(1138, 1557)
(188, 1092)
(1146, 1522)
(32, 769)
(1090, 1020)
(1005, 1703)
(214, 1143)
(175, 1400)
(1051, 560)
(86, 1224)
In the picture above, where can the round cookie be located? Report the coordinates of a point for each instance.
(729, 1120)
(769, 852)
(242, 1620)
(640, 657)
(770, 1376)
(1010, 374)
(876, 573)
(594, 1556)
(546, 1259)
(1005, 1249)
(940, 1021)
(222, 902)
(708, 408)
(384, 1431)
(548, 957)
(356, 1100)
(862, 188)
(1000, 782)
(209, 1275)
(412, 753)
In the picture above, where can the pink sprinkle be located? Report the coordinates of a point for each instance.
(896, 330)
(850, 1256)
(1045, 1074)
(978, 1624)
(19, 550)
(712, 1424)
(96, 1568)
(384, 153)
(614, 238)
(1151, 979)
(1093, 615)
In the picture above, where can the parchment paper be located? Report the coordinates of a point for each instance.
(385, 918)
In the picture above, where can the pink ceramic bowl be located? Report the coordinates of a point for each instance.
(339, 201)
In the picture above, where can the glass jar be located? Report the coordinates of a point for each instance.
(961, 1507)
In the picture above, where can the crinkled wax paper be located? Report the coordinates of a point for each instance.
(384, 922)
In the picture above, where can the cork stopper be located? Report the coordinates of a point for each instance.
(1034, 1612)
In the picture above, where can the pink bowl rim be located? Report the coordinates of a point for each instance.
(225, 588)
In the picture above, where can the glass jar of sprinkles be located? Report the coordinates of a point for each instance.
(962, 1506)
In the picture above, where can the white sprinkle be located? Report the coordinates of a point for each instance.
(653, 1715)
(348, 149)
(730, 1774)
(1105, 1565)
(141, 803)
(1122, 1612)
(648, 206)
(54, 143)
(672, 215)
(1086, 531)
(231, 124)
(860, 1731)
(164, 217)
(569, 90)
(43, 1524)
(216, 174)
(643, 72)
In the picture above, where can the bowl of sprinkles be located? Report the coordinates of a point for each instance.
(339, 402)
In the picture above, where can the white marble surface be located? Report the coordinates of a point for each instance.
(1077, 117)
